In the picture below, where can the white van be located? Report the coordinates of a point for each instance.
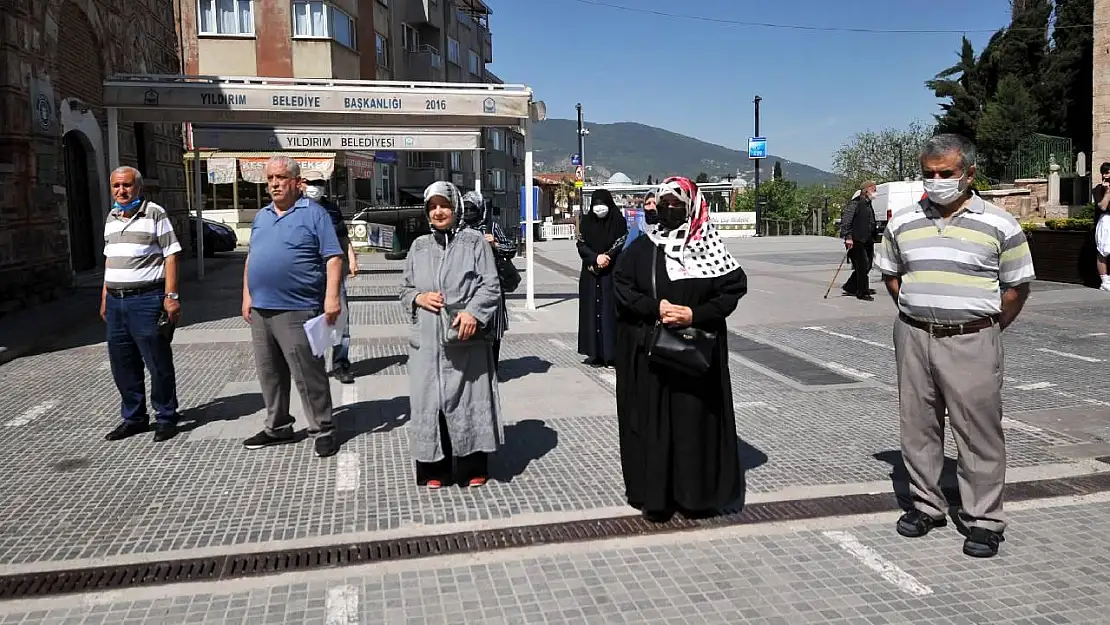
(893, 197)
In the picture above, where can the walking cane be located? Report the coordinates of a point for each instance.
(835, 275)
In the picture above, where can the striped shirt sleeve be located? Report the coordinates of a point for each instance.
(1015, 263)
(889, 258)
(167, 239)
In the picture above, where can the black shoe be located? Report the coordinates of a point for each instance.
(658, 516)
(265, 439)
(982, 543)
(866, 297)
(164, 432)
(344, 375)
(127, 429)
(326, 445)
(915, 524)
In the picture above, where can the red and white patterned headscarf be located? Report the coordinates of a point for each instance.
(694, 249)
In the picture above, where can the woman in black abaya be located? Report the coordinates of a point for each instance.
(603, 231)
(678, 438)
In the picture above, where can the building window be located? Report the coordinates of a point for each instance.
(495, 139)
(453, 51)
(456, 161)
(320, 19)
(381, 44)
(498, 179)
(410, 38)
(516, 148)
(473, 62)
(226, 17)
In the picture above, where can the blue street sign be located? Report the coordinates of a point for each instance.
(757, 147)
(575, 160)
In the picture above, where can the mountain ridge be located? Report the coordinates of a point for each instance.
(639, 150)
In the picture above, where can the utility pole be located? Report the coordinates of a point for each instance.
(581, 160)
(758, 211)
(901, 175)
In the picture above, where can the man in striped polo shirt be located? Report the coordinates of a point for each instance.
(959, 269)
(140, 287)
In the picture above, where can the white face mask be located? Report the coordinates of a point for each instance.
(944, 191)
(313, 192)
(601, 211)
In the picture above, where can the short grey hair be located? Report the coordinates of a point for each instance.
(947, 143)
(288, 164)
(127, 169)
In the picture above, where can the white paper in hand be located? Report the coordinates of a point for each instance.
(340, 323)
(319, 335)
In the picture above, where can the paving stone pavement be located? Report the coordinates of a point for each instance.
(72, 499)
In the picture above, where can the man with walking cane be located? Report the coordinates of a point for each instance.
(857, 228)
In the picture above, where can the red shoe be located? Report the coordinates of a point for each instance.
(435, 484)
(477, 482)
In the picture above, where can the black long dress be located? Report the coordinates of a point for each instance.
(678, 438)
(596, 304)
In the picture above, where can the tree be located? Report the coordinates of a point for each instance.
(961, 86)
(778, 197)
(1066, 94)
(702, 177)
(776, 171)
(1006, 121)
(876, 155)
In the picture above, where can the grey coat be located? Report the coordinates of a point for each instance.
(456, 380)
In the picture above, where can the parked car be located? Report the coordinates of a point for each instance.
(894, 196)
(218, 237)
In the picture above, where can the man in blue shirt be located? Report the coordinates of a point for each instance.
(292, 274)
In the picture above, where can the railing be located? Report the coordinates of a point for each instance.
(789, 227)
(553, 232)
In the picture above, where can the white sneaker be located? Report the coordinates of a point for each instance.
(1105, 286)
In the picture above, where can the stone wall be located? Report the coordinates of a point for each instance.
(54, 56)
(1020, 203)
(1101, 84)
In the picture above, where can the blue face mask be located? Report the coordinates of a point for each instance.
(130, 205)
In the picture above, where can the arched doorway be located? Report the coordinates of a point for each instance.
(83, 226)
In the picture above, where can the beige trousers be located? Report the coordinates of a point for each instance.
(963, 374)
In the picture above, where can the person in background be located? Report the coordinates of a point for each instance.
(476, 216)
(140, 289)
(450, 292)
(638, 229)
(956, 293)
(678, 444)
(292, 274)
(1101, 196)
(857, 227)
(601, 240)
(316, 190)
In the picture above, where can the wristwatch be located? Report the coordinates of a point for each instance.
(173, 296)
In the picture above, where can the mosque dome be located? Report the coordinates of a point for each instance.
(619, 178)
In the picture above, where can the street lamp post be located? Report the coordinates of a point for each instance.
(758, 210)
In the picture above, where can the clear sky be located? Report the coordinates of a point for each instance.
(698, 78)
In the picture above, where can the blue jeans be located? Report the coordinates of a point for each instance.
(340, 356)
(133, 339)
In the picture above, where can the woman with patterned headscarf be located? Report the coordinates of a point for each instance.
(601, 238)
(451, 293)
(677, 429)
(476, 216)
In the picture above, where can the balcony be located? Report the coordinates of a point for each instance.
(487, 46)
(423, 12)
(424, 64)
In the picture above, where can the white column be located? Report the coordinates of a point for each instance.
(530, 221)
(198, 205)
(113, 139)
(478, 171)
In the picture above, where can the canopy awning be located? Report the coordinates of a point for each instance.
(254, 137)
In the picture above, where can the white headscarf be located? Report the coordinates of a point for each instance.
(449, 191)
(694, 249)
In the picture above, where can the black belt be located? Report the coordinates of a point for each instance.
(137, 290)
(942, 330)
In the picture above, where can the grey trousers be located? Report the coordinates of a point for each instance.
(282, 355)
(962, 374)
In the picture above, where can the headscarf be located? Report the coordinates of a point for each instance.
(600, 234)
(694, 249)
(640, 226)
(476, 200)
(449, 191)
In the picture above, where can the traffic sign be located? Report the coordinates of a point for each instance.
(578, 184)
(757, 147)
(576, 159)
(578, 173)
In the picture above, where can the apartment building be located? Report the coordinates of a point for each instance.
(416, 40)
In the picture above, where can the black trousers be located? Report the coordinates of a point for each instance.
(862, 256)
(451, 469)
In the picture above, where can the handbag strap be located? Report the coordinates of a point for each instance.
(654, 259)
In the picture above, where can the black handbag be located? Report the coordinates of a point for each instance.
(507, 274)
(687, 350)
(447, 316)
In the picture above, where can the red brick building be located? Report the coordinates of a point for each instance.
(54, 195)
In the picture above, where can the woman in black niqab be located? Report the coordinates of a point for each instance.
(602, 233)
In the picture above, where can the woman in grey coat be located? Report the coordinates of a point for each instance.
(451, 291)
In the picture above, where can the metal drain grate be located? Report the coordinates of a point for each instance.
(50, 583)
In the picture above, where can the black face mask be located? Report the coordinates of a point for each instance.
(651, 217)
(671, 217)
(472, 216)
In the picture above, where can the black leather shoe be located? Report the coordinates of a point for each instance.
(164, 432)
(866, 297)
(982, 543)
(325, 445)
(915, 524)
(126, 430)
(344, 375)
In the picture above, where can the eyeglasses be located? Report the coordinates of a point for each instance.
(928, 174)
